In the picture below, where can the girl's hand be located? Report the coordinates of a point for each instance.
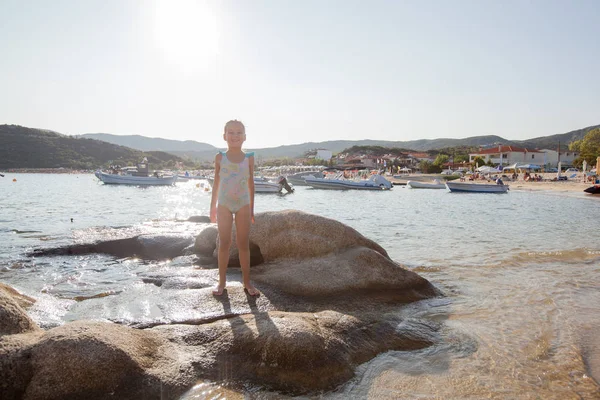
(213, 214)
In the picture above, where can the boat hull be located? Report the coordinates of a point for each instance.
(593, 189)
(298, 178)
(341, 184)
(113, 179)
(476, 187)
(260, 185)
(424, 185)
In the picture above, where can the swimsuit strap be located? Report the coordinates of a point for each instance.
(250, 154)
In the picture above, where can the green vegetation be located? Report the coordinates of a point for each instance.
(588, 148)
(440, 160)
(36, 148)
(376, 151)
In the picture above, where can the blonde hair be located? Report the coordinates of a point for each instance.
(234, 121)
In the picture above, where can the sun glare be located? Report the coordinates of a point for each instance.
(186, 32)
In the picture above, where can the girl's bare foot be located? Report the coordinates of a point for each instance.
(218, 291)
(251, 290)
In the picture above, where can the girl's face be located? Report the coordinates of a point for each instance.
(234, 135)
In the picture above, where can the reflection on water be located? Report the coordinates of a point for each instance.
(520, 272)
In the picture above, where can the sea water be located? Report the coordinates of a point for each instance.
(520, 273)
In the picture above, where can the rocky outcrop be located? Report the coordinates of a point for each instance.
(330, 300)
(150, 247)
(13, 317)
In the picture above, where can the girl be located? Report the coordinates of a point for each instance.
(233, 194)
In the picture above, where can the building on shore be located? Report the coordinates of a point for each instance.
(509, 155)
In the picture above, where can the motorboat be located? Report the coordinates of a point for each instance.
(476, 187)
(118, 179)
(136, 176)
(593, 189)
(435, 184)
(374, 182)
(264, 185)
(297, 179)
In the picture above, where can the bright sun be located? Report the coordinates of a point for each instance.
(186, 32)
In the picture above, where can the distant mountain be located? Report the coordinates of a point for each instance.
(205, 152)
(551, 142)
(150, 144)
(22, 147)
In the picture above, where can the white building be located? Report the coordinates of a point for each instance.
(566, 158)
(508, 155)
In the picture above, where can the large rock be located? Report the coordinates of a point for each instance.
(13, 317)
(91, 360)
(298, 352)
(330, 300)
(206, 241)
(151, 247)
(355, 272)
(293, 234)
(22, 300)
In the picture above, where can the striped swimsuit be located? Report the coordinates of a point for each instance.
(233, 187)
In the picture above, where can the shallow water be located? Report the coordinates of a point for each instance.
(520, 271)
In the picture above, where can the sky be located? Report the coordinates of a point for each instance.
(301, 71)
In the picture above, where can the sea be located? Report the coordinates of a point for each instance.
(520, 273)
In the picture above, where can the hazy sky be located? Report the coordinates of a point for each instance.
(300, 70)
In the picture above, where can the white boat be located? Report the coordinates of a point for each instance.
(297, 179)
(140, 180)
(435, 184)
(264, 185)
(476, 187)
(375, 182)
(137, 176)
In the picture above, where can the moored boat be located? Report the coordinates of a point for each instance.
(136, 176)
(118, 179)
(593, 189)
(264, 185)
(374, 182)
(435, 184)
(297, 179)
(476, 187)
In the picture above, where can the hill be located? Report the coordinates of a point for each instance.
(204, 152)
(22, 147)
(150, 144)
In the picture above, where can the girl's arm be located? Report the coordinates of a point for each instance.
(251, 186)
(215, 189)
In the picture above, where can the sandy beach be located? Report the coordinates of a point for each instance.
(546, 184)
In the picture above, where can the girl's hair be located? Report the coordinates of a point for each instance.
(234, 121)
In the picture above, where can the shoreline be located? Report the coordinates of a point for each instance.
(575, 185)
(45, 171)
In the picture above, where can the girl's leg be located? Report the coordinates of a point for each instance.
(224, 224)
(242, 231)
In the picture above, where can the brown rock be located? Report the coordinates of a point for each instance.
(13, 318)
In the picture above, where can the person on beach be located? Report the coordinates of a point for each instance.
(233, 196)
